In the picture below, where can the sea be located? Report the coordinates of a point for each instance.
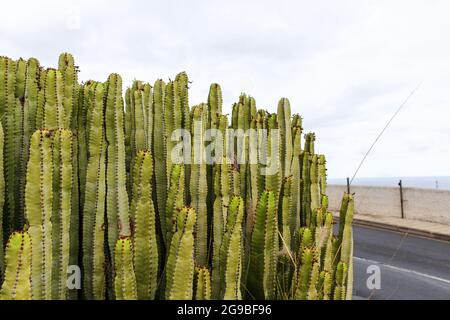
(437, 182)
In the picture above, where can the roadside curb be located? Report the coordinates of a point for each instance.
(397, 228)
(402, 229)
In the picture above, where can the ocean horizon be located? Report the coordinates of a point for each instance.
(430, 182)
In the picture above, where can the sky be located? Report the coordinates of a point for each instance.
(345, 66)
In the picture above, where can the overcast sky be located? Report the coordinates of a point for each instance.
(345, 65)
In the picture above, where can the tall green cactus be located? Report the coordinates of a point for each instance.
(264, 248)
(38, 211)
(232, 249)
(116, 196)
(62, 208)
(16, 285)
(125, 279)
(175, 198)
(94, 204)
(159, 152)
(284, 119)
(144, 237)
(2, 200)
(198, 185)
(8, 69)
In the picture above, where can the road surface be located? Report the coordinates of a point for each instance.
(410, 267)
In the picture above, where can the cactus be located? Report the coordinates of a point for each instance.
(144, 238)
(247, 233)
(125, 280)
(38, 211)
(16, 285)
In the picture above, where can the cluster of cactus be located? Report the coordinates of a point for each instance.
(88, 179)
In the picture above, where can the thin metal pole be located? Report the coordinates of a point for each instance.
(348, 185)
(401, 199)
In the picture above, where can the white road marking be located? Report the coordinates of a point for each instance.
(403, 270)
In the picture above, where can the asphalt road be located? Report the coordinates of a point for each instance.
(410, 267)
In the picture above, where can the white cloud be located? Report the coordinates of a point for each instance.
(346, 66)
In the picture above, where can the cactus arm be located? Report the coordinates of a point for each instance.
(305, 218)
(347, 232)
(284, 118)
(144, 240)
(264, 249)
(304, 274)
(53, 109)
(286, 209)
(62, 207)
(256, 270)
(339, 277)
(175, 198)
(273, 180)
(349, 285)
(159, 152)
(271, 248)
(9, 144)
(218, 229)
(148, 116)
(315, 184)
(38, 212)
(169, 125)
(93, 209)
(198, 185)
(117, 198)
(70, 89)
(203, 284)
(313, 282)
(16, 285)
(139, 121)
(233, 264)
(183, 92)
(2, 199)
(181, 271)
(125, 280)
